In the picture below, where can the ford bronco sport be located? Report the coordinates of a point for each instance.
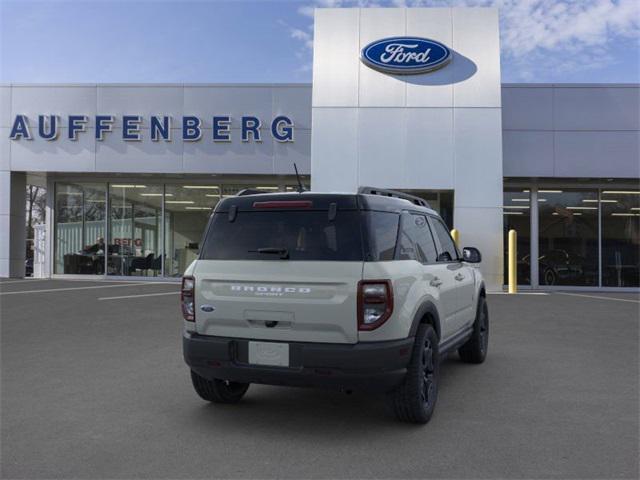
(350, 291)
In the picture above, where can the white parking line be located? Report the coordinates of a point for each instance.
(138, 296)
(599, 297)
(519, 293)
(77, 288)
(25, 280)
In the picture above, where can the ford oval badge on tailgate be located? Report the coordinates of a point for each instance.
(207, 308)
(405, 55)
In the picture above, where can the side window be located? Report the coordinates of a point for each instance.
(448, 251)
(383, 233)
(406, 244)
(416, 242)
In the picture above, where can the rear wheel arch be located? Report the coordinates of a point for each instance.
(426, 314)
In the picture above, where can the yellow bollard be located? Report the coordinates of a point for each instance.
(455, 234)
(513, 272)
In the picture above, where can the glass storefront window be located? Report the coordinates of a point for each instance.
(79, 228)
(568, 237)
(138, 234)
(517, 216)
(620, 238)
(187, 210)
(570, 229)
(135, 215)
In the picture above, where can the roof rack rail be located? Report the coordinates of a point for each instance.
(251, 191)
(395, 194)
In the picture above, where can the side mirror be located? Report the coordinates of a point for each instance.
(444, 257)
(471, 255)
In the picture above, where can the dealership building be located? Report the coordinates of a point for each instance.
(133, 170)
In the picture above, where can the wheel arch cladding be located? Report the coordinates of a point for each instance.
(427, 314)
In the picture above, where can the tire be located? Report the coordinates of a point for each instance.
(415, 399)
(475, 349)
(218, 391)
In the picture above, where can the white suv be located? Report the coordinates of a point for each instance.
(359, 291)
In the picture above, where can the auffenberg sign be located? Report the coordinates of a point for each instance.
(49, 127)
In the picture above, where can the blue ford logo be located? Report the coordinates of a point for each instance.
(405, 55)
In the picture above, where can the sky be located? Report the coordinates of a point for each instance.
(174, 41)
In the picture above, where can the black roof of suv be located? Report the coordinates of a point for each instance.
(363, 200)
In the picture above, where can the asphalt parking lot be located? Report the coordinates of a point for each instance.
(95, 387)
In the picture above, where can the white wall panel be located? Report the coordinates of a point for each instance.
(482, 228)
(51, 100)
(62, 155)
(527, 108)
(429, 149)
(597, 108)
(377, 89)
(144, 156)
(476, 42)
(142, 100)
(205, 102)
(294, 102)
(382, 137)
(286, 154)
(5, 149)
(478, 157)
(5, 193)
(436, 88)
(528, 153)
(334, 150)
(335, 73)
(12, 222)
(597, 154)
(206, 156)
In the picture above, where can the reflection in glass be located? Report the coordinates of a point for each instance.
(134, 229)
(620, 238)
(187, 209)
(517, 216)
(568, 237)
(79, 228)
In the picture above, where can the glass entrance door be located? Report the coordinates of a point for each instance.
(135, 216)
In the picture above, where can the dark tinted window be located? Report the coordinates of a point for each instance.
(382, 228)
(306, 235)
(416, 242)
(424, 239)
(449, 251)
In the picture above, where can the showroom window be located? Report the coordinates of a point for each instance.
(187, 209)
(79, 228)
(143, 220)
(620, 238)
(568, 237)
(135, 216)
(517, 216)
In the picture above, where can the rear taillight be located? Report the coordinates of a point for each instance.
(188, 298)
(375, 303)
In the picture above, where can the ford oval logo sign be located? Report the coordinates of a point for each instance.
(405, 55)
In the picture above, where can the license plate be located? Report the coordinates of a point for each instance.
(269, 353)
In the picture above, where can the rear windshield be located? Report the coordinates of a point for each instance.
(294, 235)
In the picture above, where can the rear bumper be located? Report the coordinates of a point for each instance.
(373, 367)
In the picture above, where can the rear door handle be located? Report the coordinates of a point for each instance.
(436, 282)
(459, 277)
